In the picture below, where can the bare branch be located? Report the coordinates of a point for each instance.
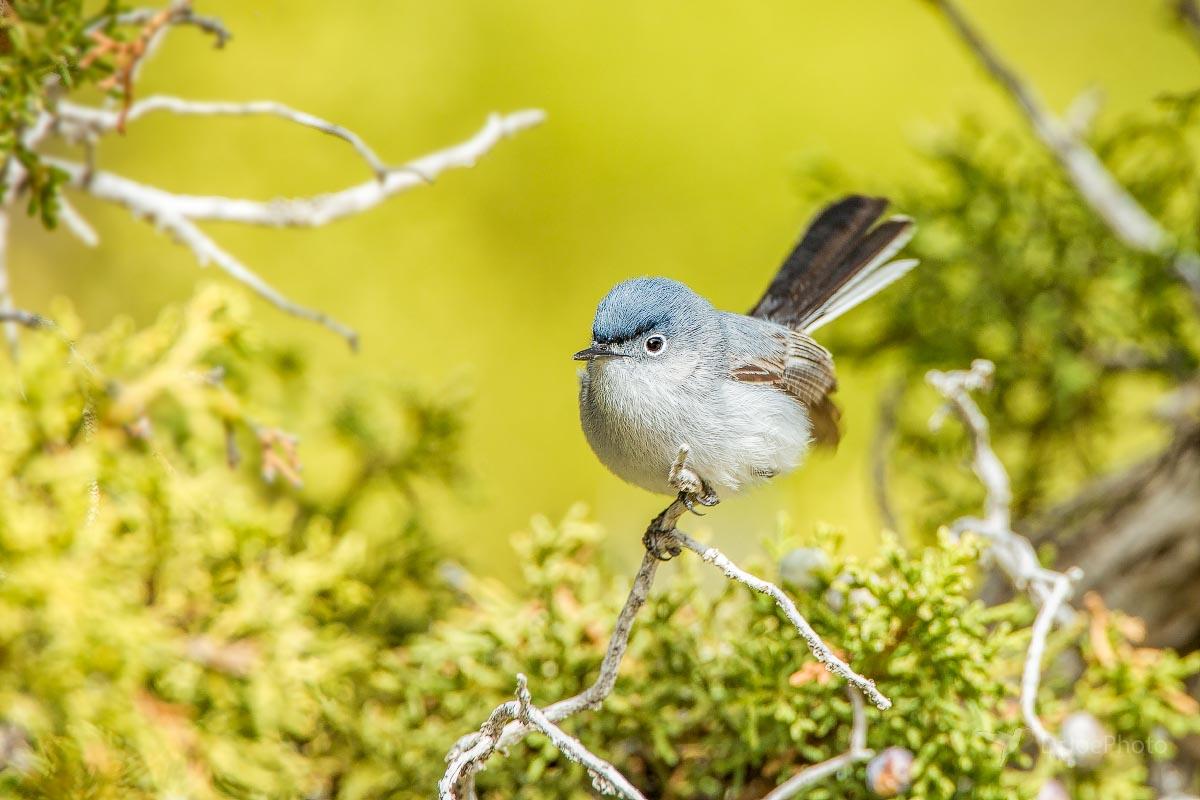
(1031, 676)
(510, 722)
(820, 650)
(1013, 553)
(98, 120)
(1119, 210)
(470, 752)
(606, 778)
(174, 213)
(26, 318)
(182, 14)
(305, 211)
(857, 752)
(155, 206)
(75, 222)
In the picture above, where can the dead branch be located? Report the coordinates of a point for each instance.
(177, 214)
(1010, 551)
(820, 650)
(100, 120)
(508, 723)
(1108, 199)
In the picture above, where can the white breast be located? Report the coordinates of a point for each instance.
(740, 434)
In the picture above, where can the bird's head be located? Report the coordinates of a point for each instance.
(651, 324)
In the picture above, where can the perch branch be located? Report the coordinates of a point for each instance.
(820, 650)
(605, 777)
(1013, 553)
(504, 728)
(1131, 223)
(512, 721)
(857, 752)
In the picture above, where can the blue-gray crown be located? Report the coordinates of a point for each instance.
(640, 305)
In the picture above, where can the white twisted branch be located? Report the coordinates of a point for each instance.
(176, 213)
(820, 650)
(509, 723)
(99, 121)
(1013, 553)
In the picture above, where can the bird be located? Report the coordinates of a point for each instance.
(678, 397)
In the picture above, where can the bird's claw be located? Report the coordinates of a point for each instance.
(691, 487)
(661, 544)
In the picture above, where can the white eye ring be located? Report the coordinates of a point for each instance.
(655, 345)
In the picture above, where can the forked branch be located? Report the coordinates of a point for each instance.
(1012, 552)
(512, 721)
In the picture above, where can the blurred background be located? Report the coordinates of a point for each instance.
(677, 143)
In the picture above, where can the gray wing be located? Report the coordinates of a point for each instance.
(791, 362)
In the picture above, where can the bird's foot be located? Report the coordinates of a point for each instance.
(661, 543)
(692, 488)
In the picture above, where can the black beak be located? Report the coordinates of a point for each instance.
(597, 351)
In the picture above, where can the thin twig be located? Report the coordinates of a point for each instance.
(180, 16)
(316, 210)
(820, 650)
(26, 318)
(1031, 676)
(1131, 223)
(100, 120)
(75, 222)
(482, 744)
(175, 213)
(1013, 553)
(857, 752)
(606, 778)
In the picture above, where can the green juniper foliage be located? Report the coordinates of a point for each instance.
(174, 625)
(42, 45)
(171, 624)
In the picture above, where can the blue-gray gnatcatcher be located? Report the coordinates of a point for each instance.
(680, 397)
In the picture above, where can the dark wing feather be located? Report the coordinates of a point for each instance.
(803, 369)
(822, 262)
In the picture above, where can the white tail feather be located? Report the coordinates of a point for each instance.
(870, 281)
(843, 301)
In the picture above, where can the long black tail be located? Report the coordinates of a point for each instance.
(842, 260)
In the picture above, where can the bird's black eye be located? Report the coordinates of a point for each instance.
(655, 344)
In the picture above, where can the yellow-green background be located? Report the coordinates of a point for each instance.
(676, 135)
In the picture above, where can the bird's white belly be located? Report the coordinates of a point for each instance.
(739, 434)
